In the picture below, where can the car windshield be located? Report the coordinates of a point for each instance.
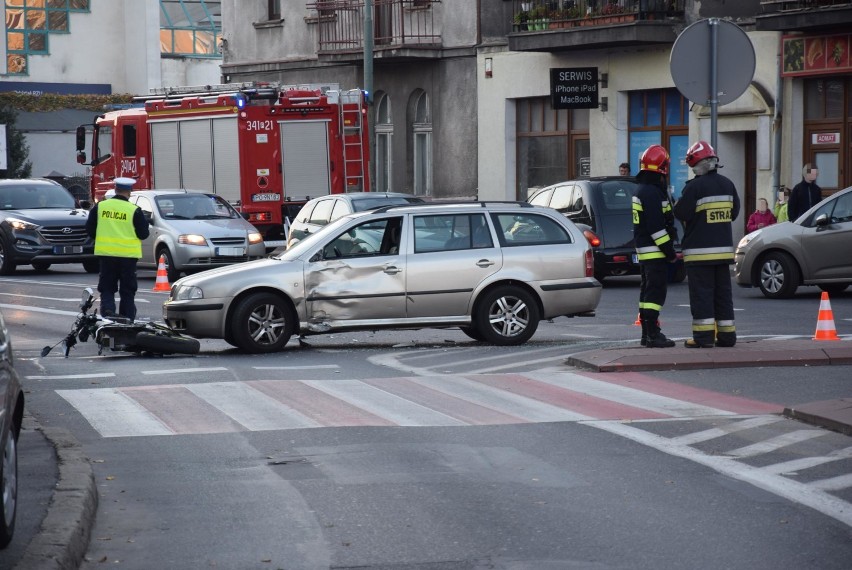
(35, 196)
(379, 201)
(194, 207)
(310, 240)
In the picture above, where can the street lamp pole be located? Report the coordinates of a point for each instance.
(368, 88)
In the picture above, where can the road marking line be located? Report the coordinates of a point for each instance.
(183, 370)
(808, 462)
(515, 364)
(250, 407)
(834, 483)
(794, 491)
(39, 310)
(114, 414)
(706, 435)
(295, 367)
(775, 443)
(73, 376)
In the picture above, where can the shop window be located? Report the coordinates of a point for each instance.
(827, 130)
(552, 145)
(384, 146)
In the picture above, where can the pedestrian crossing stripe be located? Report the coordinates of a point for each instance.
(440, 400)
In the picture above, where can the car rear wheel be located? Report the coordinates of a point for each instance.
(779, 275)
(507, 316)
(262, 322)
(8, 488)
(7, 266)
(834, 288)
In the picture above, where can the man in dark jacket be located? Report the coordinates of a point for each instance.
(653, 229)
(708, 206)
(118, 228)
(805, 194)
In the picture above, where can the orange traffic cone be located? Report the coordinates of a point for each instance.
(638, 322)
(825, 322)
(162, 282)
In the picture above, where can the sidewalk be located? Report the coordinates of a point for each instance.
(832, 414)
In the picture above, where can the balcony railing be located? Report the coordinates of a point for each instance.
(396, 24)
(535, 15)
(767, 6)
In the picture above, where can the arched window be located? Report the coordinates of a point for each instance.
(384, 138)
(422, 135)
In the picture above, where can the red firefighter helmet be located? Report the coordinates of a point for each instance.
(698, 152)
(655, 159)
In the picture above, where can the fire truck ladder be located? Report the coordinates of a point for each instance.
(352, 124)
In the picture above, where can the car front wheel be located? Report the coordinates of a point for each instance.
(507, 316)
(8, 488)
(262, 322)
(779, 275)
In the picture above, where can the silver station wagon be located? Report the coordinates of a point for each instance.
(494, 270)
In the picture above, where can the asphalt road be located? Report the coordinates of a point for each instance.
(547, 490)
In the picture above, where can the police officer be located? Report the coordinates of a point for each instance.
(118, 228)
(708, 206)
(653, 230)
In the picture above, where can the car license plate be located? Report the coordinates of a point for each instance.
(634, 258)
(67, 249)
(268, 197)
(230, 251)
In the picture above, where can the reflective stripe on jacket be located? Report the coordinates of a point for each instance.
(116, 236)
(652, 216)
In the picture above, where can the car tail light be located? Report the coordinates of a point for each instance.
(593, 239)
(590, 264)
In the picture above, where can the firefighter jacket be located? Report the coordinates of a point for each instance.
(117, 226)
(708, 206)
(653, 224)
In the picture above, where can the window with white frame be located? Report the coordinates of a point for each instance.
(384, 138)
(422, 130)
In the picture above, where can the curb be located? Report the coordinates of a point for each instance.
(63, 539)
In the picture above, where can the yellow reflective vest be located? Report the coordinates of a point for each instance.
(116, 236)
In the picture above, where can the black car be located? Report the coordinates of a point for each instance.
(602, 208)
(41, 224)
(11, 416)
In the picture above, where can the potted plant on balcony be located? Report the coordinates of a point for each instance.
(520, 21)
(538, 18)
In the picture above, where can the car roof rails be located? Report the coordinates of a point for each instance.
(481, 204)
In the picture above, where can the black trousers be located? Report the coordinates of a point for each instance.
(712, 304)
(652, 290)
(118, 274)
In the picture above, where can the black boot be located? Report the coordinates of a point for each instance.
(657, 339)
(644, 340)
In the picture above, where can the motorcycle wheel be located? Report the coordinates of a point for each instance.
(167, 344)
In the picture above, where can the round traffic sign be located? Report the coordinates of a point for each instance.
(691, 61)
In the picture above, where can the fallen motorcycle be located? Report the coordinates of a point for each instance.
(123, 335)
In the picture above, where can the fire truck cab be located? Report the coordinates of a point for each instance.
(260, 146)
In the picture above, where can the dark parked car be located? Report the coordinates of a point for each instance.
(325, 209)
(11, 416)
(41, 224)
(602, 208)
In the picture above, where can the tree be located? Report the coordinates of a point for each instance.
(16, 147)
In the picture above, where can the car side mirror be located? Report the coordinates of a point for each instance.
(822, 220)
(316, 257)
(149, 217)
(86, 204)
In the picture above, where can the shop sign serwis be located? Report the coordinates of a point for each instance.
(574, 88)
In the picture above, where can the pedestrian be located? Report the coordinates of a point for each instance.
(118, 228)
(624, 169)
(805, 194)
(653, 229)
(780, 209)
(707, 208)
(761, 217)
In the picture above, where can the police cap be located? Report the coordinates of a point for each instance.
(124, 183)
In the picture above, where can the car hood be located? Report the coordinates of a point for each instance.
(49, 216)
(229, 280)
(777, 233)
(210, 228)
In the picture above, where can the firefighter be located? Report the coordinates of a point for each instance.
(653, 230)
(708, 206)
(118, 228)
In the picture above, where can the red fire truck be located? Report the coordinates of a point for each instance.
(261, 146)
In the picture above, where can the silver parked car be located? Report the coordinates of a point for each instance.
(492, 269)
(11, 416)
(813, 250)
(195, 231)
